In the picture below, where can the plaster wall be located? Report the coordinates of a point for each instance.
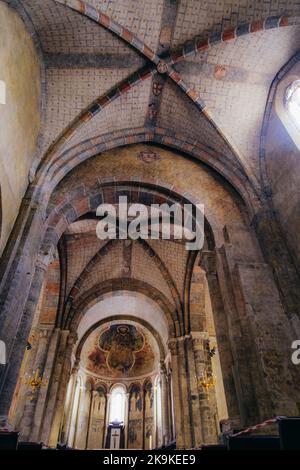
(19, 116)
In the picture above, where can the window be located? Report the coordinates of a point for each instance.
(292, 102)
(117, 405)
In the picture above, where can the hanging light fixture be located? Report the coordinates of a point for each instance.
(206, 381)
(35, 381)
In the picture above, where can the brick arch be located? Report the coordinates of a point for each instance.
(100, 384)
(240, 183)
(135, 384)
(187, 287)
(197, 45)
(120, 284)
(234, 174)
(147, 381)
(85, 199)
(140, 321)
(70, 158)
(98, 257)
(66, 210)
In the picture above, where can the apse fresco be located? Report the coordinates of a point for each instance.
(121, 342)
(120, 350)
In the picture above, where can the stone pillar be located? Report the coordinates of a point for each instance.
(83, 417)
(22, 396)
(154, 428)
(197, 437)
(277, 253)
(208, 408)
(185, 392)
(157, 396)
(108, 398)
(181, 391)
(74, 409)
(224, 341)
(171, 407)
(259, 330)
(68, 408)
(126, 419)
(277, 391)
(27, 422)
(241, 347)
(43, 392)
(94, 395)
(165, 404)
(15, 332)
(177, 399)
(60, 377)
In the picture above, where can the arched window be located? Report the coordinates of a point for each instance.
(117, 405)
(292, 102)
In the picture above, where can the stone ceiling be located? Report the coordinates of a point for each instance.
(168, 80)
(84, 60)
(155, 268)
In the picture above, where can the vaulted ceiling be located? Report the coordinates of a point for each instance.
(188, 71)
(90, 48)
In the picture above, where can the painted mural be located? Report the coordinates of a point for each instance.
(97, 419)
(149, 422)
(121, 342)
(135, 418)
(120, 350)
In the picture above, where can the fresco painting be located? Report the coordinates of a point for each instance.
(120, 350)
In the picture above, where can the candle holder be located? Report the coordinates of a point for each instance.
(207, 382)
(35, 381)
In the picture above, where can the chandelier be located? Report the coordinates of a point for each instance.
(35, 381)
(206, 381)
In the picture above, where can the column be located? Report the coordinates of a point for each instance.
(68, 409)
(108, 398)
(182, 411)
(90, 440)
(196, 425)
(225, 354)
(126, 419)
(74, 410)
(15, 338)
(165, 403)
(27, 422)
(208, 407)
(43, 392)
(59, 382)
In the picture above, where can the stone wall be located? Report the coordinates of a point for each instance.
(283, 166)
(19, 117)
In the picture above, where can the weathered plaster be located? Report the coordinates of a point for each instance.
(19, 117)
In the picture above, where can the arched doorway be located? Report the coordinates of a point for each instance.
(168, 276)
